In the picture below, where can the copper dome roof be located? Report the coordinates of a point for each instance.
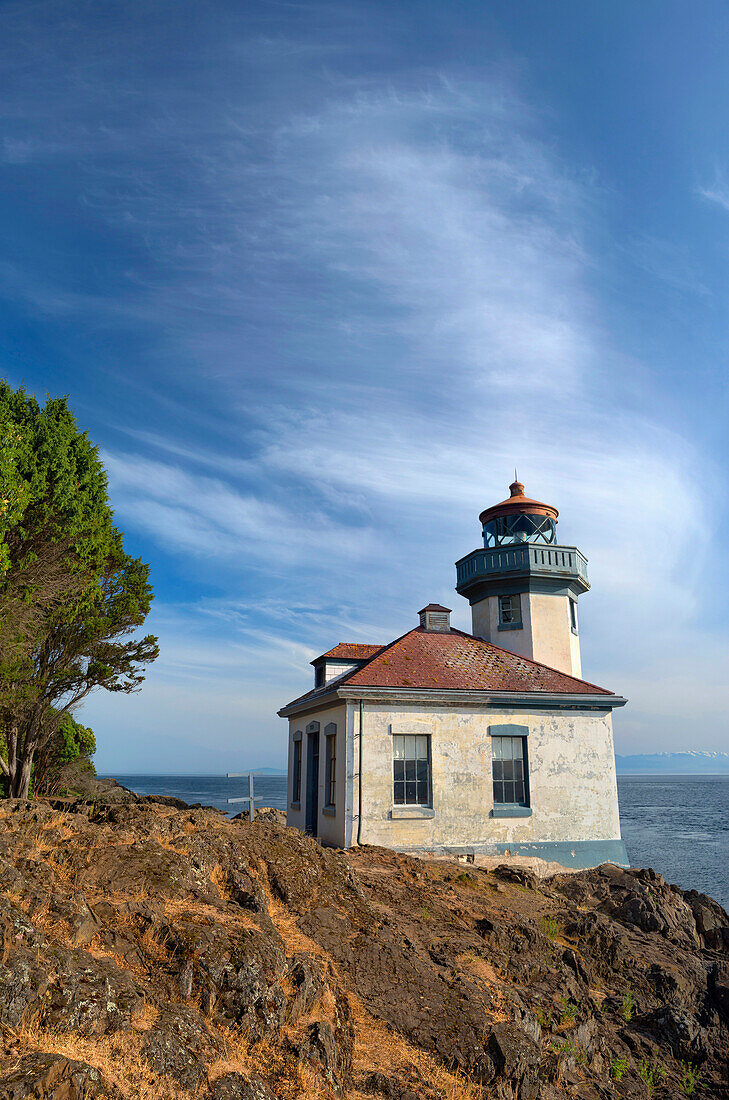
(516, 504)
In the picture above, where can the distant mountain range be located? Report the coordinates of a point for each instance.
(691, 762)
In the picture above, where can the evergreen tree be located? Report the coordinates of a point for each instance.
(70, 597)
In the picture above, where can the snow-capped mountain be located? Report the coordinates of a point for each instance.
(689, 762)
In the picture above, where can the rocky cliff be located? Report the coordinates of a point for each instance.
(150, 950)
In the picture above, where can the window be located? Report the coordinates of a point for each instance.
(331, 769)
(296, 796)
(510, 611)
(573, 615)
(319, 674)
(522, 527)
(509, 765)
(411, 769)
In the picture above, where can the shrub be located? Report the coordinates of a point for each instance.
(628, 1005)
(690, 1078)
(550, 927)
(569, 1010)
(618, 1067)
(67, 752)
(650, 1073)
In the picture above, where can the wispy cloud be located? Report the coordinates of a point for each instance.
(344, 299)
(194, 514)
(717, 192)
(454, 337)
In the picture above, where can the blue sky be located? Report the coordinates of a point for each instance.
(316, 277)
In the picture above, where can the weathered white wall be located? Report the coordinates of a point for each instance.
(573, 791)
(546, 635)
(331, 827)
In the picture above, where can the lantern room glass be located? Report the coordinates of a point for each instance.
(522, 527)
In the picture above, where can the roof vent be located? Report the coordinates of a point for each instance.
(436, 617)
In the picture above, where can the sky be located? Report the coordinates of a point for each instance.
(317, 276)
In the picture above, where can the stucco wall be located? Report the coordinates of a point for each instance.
(573, 791)
(331, 828)
(546, 635)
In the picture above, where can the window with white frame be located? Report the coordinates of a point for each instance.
(411, 770)
(296, 796)
(509, 766)
(509, 610)
(331, 769)
(573, 615)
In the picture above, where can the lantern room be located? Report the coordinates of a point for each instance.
(519, 519)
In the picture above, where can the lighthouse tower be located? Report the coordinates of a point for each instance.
(523, 586)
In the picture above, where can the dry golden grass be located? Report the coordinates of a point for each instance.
(144, 1019)
(219, 879)
(382, 1049)
(377, 1047)
(309, 1084)
(153, 944)
(238, 1057)
(294, 939)
(479, 967)
(64, 874)
(40, 917)
(117, 1057)
(174, 908)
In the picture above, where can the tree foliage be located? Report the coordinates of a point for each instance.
(70, 744)
(71, 599)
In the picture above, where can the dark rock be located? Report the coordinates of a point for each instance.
(485, 927)
(682, 1031)
(267, 814)
(52, 1077)
(331, 1046)
(516, 1058)
(191, 937)
(382, 1085)
(232, 1086)
(719, 987)
(180, 1046)
(165, 800)
(244, 892)
(519, 875)
(306, 986)
(575, 963)
(60, 987)
(712, 922)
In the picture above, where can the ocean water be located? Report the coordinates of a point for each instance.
(679, 826)
(211, 790)
(676, 824)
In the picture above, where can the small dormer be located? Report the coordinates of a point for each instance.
(345, 657)
(435, 618)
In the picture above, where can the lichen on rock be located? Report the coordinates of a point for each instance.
(157, 950)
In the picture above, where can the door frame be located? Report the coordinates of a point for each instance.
(312, 778)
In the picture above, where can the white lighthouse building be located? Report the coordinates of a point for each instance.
(487, 743)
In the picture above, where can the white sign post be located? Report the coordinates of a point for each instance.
(249, 798)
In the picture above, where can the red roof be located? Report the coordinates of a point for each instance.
(454, 661)
(460, 662)
(349, 651)
(517, 503)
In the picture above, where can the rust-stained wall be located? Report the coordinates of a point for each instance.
(573, 791)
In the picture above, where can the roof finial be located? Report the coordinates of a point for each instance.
(516, 488)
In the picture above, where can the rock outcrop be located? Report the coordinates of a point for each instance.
(156, 950)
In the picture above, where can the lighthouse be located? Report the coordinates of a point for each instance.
(480, 745)
(523, 585)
